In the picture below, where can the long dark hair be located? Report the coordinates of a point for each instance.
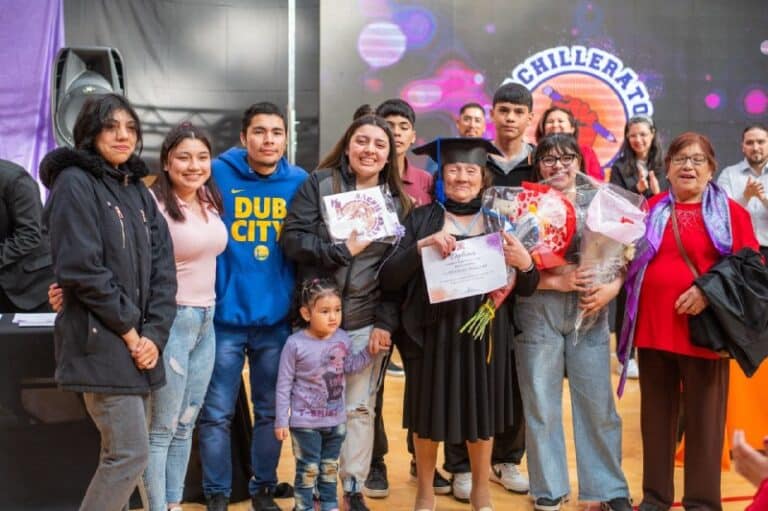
(163, 186)
(336, 157)
(627, 157)
(95, 114)
(558, 142)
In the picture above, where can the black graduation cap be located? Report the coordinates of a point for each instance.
(458, 150)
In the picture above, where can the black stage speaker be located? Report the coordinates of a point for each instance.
(79, 73)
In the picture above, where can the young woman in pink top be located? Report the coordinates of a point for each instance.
(191, 204)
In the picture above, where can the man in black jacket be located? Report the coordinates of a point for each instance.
(25, 254)
(512, 114)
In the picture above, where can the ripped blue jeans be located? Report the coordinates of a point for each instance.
(317, 464)
(188, 357)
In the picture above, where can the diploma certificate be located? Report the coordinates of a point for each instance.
(476, 267)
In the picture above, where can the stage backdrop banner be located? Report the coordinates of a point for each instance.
(697, 65)
(32, 33)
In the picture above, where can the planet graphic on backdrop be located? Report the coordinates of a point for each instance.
(381, 44)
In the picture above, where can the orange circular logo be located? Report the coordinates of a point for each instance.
(594, 85)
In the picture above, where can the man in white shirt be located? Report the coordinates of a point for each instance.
(747, 181)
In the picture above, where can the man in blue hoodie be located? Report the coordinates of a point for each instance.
(254, 284)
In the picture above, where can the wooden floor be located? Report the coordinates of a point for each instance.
(402, 490)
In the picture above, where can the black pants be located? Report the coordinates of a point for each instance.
(380, 442)
(703, 398)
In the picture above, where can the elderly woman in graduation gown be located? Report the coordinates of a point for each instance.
(457, 389)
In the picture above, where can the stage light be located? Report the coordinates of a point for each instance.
(78, 74)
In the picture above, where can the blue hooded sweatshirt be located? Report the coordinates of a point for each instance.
(254, 280)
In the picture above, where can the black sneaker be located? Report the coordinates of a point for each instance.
(283, 491)
(545, 504)
(617, 504)
(376, 485)
(216, 502)
(395, 370)
(264, 500)
(354, 502)
(440, 484)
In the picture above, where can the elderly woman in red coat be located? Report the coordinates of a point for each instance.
(694, 220)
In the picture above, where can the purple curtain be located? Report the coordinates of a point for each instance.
(32, 34)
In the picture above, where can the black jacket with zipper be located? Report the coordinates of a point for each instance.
(523, 171)
(306, 241)
(113, 257)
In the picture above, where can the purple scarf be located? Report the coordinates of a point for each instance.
(717, 220)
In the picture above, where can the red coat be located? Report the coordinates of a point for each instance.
(668, 276)
(591, 164)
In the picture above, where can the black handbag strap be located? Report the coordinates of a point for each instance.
(679, 242)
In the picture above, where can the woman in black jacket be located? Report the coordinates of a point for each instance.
(639, 169)
(363, 158)
(457, 389)
(113, 258)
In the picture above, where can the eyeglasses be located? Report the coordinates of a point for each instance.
(550, 161)
(455, 171)
(697, 160)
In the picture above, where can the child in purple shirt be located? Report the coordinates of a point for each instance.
(310, 393)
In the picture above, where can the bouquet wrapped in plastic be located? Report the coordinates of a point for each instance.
(370, 212)
(542, 218)
(544, 221)
(613, 220)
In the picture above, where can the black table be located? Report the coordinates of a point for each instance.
(49, 447)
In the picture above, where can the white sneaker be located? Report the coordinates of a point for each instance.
(508, 475)
(633, 372)
(461, 485)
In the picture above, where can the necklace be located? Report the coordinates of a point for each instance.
(464, 230)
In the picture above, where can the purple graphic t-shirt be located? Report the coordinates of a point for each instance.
(310, 380)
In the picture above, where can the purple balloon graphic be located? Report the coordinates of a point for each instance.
(712, 100)
(755, 102)
(381, 44)
(417, 24)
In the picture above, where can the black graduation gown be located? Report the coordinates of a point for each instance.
(452, 392)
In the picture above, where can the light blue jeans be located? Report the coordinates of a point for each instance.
(544, 351)
(188, 357)
(360, 400)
